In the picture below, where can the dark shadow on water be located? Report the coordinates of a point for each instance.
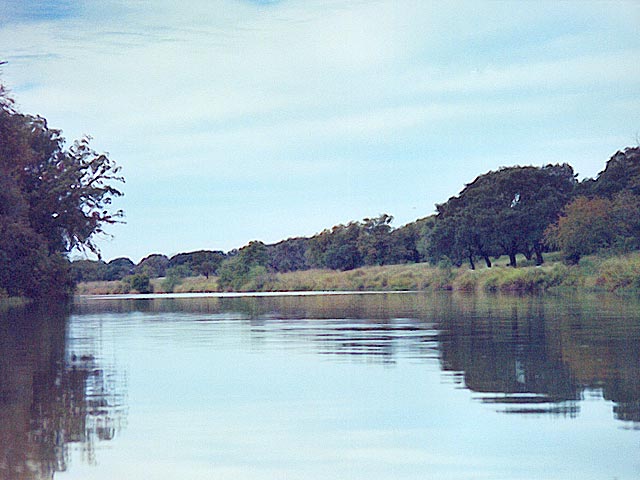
(50, 398)
(520, 354)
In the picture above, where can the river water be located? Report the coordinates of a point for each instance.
(358, 386)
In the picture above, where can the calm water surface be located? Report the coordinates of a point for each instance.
(384, 386)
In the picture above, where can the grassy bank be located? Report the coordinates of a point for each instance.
(594, 273)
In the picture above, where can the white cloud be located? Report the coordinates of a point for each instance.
(342, 91)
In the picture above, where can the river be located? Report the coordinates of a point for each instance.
(322, 386)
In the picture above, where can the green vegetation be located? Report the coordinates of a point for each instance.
(617, 273)
(515, 216)
(504, 212)
(53, 200)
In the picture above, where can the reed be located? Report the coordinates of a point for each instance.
(595, 272)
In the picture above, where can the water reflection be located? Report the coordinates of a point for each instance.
(61, 392)
(538, 355)
(523, 355)
(50, 398)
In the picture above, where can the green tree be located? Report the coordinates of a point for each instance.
(200, 262)
(626, 214)
(336, 249)
(139, 282)
(464, 229)
(118, 268)
(154, 265)
(246, 269)
(621, 173)
(374, 240)
(506, 211)
(288, 255)
(88, 270)
(408, 242)
(53, 200)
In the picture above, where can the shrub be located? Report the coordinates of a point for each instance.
(139, 282)
(620, 273)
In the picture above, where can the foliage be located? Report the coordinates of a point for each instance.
(288, 255)
(139, 282)
(516, 211)
(200, 262)
(172, 279)
(621, 173)
(88, 270)
(422, 236)
(247, 266)
(53, 200)
(618, 273)
(499, 212)
(583, 228)
(374, 240)
(591, 224)
(336, 249)
(154, 265)
(370, 242)
(119, 268)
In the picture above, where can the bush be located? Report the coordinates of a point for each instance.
(139, 282)
(620, 273)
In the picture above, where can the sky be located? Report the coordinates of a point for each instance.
(241, 120)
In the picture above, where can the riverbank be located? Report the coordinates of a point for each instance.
(593, 273)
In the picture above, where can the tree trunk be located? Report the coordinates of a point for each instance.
(512, 260)
(539, 259)
(487, 260)
(471, 264)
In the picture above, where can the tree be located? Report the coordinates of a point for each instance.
(154, 265)
(408, 243)
(464, 229)
(621, 173)
(88, 270)
(374, 240)
(505, 211)
(248, 266)
(288, 255)
(118, 268)
(336, 249)
(53, 200)
(584, 227)
(138, 282)
(590, 224)
(200, 262)
(626, 214)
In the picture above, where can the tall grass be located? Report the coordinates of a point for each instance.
(592, 273)
(620, 273)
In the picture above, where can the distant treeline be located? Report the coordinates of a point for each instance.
(515, 210)
(343, 247)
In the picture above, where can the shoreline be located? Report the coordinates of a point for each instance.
(594, 274)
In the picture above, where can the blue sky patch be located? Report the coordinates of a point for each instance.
(36, 11)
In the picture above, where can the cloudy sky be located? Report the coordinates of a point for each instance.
(237, 120)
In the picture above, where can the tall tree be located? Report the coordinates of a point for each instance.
(374, 241)
(621, 173)
(505, 211)
(591, 224)
(54, 199)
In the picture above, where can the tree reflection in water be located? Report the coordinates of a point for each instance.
(522, 354)
(49, 396)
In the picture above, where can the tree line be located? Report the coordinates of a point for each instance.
(55, 199)
(519, 210)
